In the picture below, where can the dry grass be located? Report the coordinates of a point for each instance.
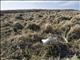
(24, 43)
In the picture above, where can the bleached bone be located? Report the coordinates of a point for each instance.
(50, 40)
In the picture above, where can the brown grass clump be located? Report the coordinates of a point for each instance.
(74, 32)
(33, 27)
(76, 19)
(47, 28)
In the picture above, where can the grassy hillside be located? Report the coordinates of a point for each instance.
(22, 31)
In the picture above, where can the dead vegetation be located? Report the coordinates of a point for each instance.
(22, 31)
